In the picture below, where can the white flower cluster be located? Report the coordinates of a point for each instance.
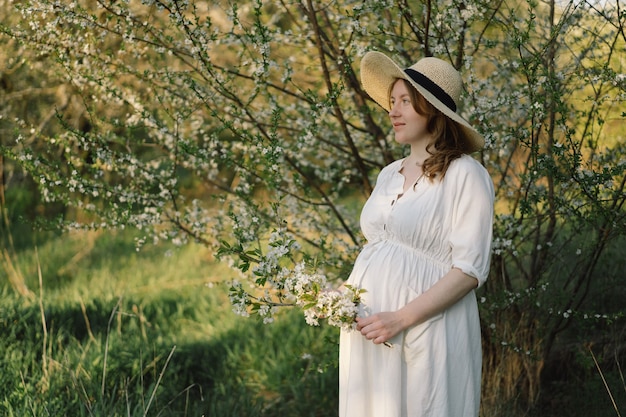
(276, 285)
(312, 293)
(337, 307)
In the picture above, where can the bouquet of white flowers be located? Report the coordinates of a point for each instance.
(276, 285)
(313, 294)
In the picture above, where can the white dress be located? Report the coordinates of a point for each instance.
(433, 369)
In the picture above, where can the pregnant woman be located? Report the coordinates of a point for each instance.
(428, 225)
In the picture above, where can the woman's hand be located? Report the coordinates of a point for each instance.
(381, 327)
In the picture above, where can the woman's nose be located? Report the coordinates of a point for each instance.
(393, 111)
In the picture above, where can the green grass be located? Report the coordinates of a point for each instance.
(115, 332)
(112, 331)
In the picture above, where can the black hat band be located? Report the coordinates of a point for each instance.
(433, 88)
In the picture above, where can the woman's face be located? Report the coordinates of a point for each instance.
(409, 126)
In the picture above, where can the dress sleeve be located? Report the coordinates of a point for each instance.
(472, 218)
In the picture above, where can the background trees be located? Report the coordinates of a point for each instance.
(238, 123)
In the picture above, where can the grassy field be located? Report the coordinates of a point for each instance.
(111, 331)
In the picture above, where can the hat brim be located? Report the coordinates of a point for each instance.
(379, 72)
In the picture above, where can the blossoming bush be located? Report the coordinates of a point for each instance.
(222, 122)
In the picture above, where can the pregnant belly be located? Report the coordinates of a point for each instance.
(393, 274)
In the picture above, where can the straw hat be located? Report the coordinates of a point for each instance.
(438, 81)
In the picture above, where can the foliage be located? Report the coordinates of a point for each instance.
(132, 338)
(258, 105)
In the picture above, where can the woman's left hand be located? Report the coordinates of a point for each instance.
(381, 327)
